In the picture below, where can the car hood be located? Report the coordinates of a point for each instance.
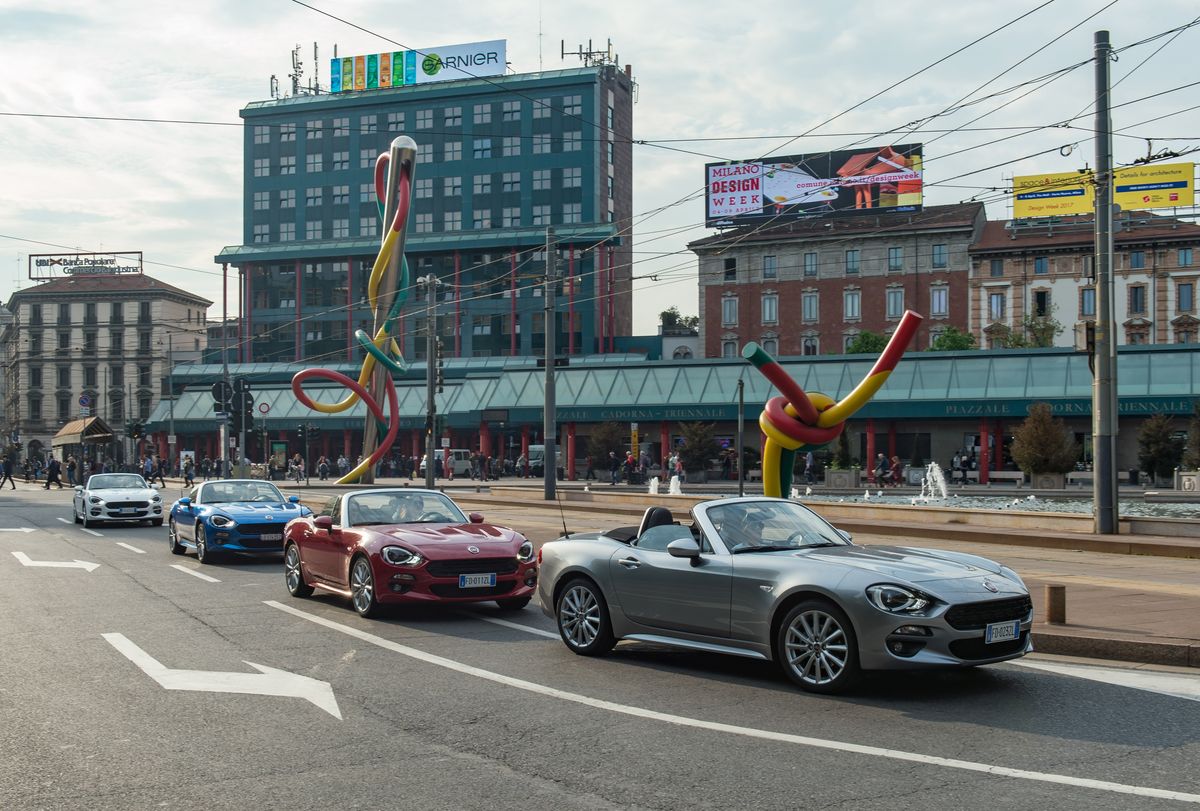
(907, 563)
(442, 540)
(259, 510)
(117, 493)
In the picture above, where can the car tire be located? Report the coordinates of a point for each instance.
(83, 519)
(173, 540)
(362, 587)
(203, 553)
(293, 574)
(157, 522)
(514, 604)
(582, 618)
(75, 514)
(817, 648)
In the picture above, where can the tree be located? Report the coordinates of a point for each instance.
(1159, 450)
(867, 342)
(953, 340)
(1191, 457)
(699, 445)
(1041, 444)
(1034, 331)
(671, 319)
(841, 459)
(605, 438)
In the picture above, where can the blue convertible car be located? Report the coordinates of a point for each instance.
(246, 516)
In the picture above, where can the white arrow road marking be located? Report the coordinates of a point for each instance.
(268, 681)
(1180, 685)
(56, 564)
(25, 530)
(194, 573)
(131, 547)
(91, 532)
(750, 732)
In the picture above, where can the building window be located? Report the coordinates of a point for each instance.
(366, 158)
(510, 147)
(366, 193)
(452, 221)
(1041, 265)
(1137, 259)
(541, 179)
(572, 213)
(731, 269)
(313, 162)
(769, 345)
(287, 132)
(572, 178)
(341, 127)
(481, 219)
(810, 306)
(482, 185)
(395, 122)
(1087, 302)
(896, 258)
(852, 261)
(996, 306)
(939, 256)
(116, 375)
(541, 108)
(939, 301)
(452, 151)
(1135, 336)
(64, 339)
(895, 302)
(287, 231)
(572, 141)
(35, 377)
(611, 188)
(510, 218)
(609, 117)
(116, 313)
(1185, 295)
(90, 376)
(312, 196)
(262, 200)
(770, 267)
(809, 345)
(314, 230)
(453, 116)
(1184, 260)
(729, 311)
(847, 340)
(314, 130)
(262, 134)
(729, 349)
(89, 312)
(424, 223)
(481, 148)
(262, 233)
(572, 105)
(287, 198)
(35, 342)
(541, 215)
(541, 143)
(851, 305)
(262, 167)
(423, 189)
(512, 111)
(1137, 300)
(341, 228)
(452, 187)
(424, 119)
(1185, 335)
(510, 182)
(482, 114)
(341, 195)
(368, 226)
(368, 124)
(64, 377)
(1041, 303)
(810, 264)
(997, 267)
(609, 151)
(341, 161)
(770, 309)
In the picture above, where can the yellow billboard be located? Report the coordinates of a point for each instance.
(1053, 194)
(1162, 185)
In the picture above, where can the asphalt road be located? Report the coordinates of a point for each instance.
(105, 674)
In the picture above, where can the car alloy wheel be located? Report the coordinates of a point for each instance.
(292, 574)
(362, 587)
(75, 514)
(173, 539)
(203, 554)
(583, 619)
(817, 647)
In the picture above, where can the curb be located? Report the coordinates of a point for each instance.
(1180, 653)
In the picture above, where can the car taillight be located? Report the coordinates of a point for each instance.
(539, 556)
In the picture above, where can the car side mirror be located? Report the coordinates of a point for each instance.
(476, 518)
(79, 488)
(294, 499)
(156, 486)
(846, 535)
(684, 548)
(323, 522)
(185, 502)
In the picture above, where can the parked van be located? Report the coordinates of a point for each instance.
(537, 461)
(460, 458)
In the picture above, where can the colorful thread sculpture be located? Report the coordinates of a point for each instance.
(382, 349)
(795, 419)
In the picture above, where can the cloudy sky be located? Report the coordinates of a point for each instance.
(742, 79)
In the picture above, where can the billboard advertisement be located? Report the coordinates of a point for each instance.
(1164, 185)
(398, 68)
(844, 182)
(47, 266)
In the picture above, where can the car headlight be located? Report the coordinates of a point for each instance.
(525, 553)
(156, 497)
(897, 599)
(399, 556)
(96, 500)
(222, 521)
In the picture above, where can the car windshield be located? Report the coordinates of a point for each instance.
(116, 481)
(400, 507)
(227, 492)
(769, 526)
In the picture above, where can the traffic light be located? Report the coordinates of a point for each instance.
(440, 378)
(314, 433)
(139, 431)
(302, 433)
(129, 429)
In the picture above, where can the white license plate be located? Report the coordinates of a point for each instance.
(1002, 632)
(476, 581)
(127, 510)
(272, 536)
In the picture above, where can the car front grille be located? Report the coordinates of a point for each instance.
(259, 529)
(972, 649)
(973, 616)
(122, 505)
(453, 568)
(447, 590)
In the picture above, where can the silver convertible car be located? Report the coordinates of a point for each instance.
(768, 578)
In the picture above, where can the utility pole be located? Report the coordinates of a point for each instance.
(170, 403)
(223, 428)
(431, 283)
(1104, 382)
(741, 432)
(549, 416)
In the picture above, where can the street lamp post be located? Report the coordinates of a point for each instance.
(170, 403)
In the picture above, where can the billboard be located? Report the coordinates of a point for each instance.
(398, 68)
(844, 182)
(48, 266)
(1164, 185)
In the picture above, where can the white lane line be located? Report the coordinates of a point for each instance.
(91, 532)
(65, 521)
(194, 573)
(131, 547)
(750, 732)
(1179, 685)
(514, 625)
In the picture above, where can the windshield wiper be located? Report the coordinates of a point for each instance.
(820, 544)
(763, 548)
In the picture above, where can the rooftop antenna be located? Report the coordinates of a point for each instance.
(539, 36)
(274, 87)
(315, 84)
(297, 71)
(590, 56)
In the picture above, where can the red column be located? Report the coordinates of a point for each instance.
(664, 438)
(349, 308)
(891, 440)
(417, 450)
(870, 462)
(983, 452)
(485, 444)
(326, 444)
(346, 442)
(513, 309)
(571, 299)
(997, 459)
(299, 318)
(457, 305)
(570, 451)
(600, 285)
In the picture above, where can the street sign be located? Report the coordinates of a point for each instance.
(263, 408)
(241, 384)
(85, 412)
(445, 442)
(222, 392)
(84, 400)
(170, 439)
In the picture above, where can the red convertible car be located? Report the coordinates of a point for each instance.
(404, 545)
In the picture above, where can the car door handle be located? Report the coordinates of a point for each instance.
(630, 563)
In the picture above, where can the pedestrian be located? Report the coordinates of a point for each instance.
(523, 466)
(72, 469)
(189, 472)
(881, 468)
(614, 467)
(589, 470)
(7, 467)
(323, 468)
(897, 476)
(53, 467)
(810, 468)
(161, 469)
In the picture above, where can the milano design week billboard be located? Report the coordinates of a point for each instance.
(848, 181)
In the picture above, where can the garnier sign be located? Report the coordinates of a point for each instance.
(398, 68)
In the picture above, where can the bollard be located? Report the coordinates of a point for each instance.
(1056, 604)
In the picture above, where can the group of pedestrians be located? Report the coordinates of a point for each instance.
(888, 474)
